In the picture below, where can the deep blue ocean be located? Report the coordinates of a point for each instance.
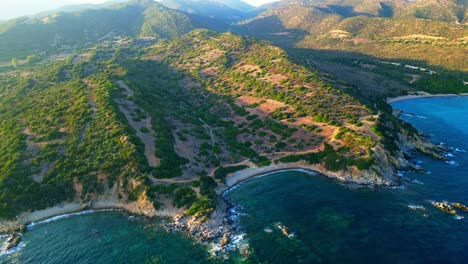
(328, 222)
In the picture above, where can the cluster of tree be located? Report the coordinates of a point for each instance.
(332, 159)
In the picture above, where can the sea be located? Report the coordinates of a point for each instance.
(298, 216)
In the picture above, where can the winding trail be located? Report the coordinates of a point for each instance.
(213, 139)
(126, 107)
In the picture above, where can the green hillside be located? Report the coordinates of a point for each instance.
(66, 32)
(136, 105)
(383, 29)
(226, 11)
(124, 122)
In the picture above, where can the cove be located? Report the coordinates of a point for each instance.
(327, 222)
(334, 223)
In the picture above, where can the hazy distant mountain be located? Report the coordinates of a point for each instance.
(236, 4)
(384, 28)
(80, 7)
(220, 9)
(444, 10)
(23, 36)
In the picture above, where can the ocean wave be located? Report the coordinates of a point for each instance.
(238, 185)
(402, 186)
(452, 162)
(416, 207)
(414, 115)
(235, 213)
(418, 182)
(18, 248)
(59, 217)
(458, 217)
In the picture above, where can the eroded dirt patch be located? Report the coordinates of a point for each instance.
(139, 120)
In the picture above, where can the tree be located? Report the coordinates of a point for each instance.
(33, 58)
(14, 62)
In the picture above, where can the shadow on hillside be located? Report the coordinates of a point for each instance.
(349, 67)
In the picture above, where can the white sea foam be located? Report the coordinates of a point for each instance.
(416, 207)
(239, 242)
(59, 217)
(418, 182)
(414, 115)
(402, 186)
(18, 248)
(453, 163)
(460, 150)
(237, 185)
(458, 217)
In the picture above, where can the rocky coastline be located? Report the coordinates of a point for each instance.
(14, 232)
(221, 230)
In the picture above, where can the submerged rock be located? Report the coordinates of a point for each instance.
(13, 241)
(460, 206)
(445, 207)
(283, 229)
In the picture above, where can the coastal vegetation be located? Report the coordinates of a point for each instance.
(69, 137)
(157, 112)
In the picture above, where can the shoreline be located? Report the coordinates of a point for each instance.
(238, 177)
(419, 96)
(220, 230)
(232, 181)
(72, 208)
(64, 209)
(241, 178)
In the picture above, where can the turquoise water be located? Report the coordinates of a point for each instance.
(332, 223)
(107, 237)
(338, 224)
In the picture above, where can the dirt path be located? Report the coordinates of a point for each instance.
(93, 104)
(169, 181)
(127, 107)
(414, 78)
(213, 139)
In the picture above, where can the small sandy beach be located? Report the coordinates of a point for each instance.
(252, 172)
(421, 95)
(69, 208)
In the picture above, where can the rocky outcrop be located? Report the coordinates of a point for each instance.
(221, 230)
(444, 207)
(14, 230)
(13, 241)
(460, 206)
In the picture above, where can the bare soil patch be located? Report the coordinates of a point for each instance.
(128, 107)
